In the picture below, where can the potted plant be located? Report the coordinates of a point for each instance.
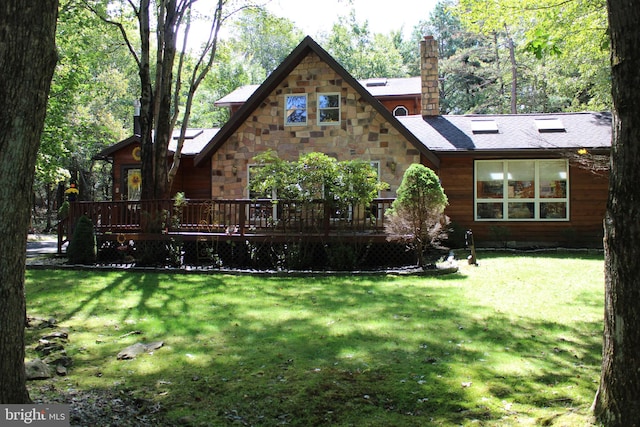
(72, 193)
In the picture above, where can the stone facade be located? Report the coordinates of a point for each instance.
(361, 133)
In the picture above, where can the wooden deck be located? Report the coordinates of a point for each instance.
(253, 220)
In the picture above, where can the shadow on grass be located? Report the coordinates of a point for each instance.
(372, 350)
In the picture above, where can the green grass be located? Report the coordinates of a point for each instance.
(515, 341)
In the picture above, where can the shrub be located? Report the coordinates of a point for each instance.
(417, 215)
(82, 247)
(316, 176)
(63, 211)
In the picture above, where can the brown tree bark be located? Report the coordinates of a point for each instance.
(27, 60)
(617, 401)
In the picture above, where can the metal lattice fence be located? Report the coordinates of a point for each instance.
(220, 253)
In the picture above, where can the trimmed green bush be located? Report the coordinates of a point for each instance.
(82, 247)
(417, 215)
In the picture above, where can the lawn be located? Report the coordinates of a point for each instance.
(514, 341)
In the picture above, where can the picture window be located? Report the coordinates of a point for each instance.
(517, 190)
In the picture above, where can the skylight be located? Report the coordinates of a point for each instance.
(549, 125)
(376, 82)
(190, 134)
(484, 126)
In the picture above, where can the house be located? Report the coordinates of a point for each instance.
(512, 179)
(126, 174)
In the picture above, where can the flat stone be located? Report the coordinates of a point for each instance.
(138, 348)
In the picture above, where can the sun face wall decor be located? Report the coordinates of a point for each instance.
(136, 153)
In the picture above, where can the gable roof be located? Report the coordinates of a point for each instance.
(378, 87)
(515, 132)
(195, 140)
(307, 46)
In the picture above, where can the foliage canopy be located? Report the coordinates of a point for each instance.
(316, 176)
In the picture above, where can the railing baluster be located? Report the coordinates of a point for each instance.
(224, 216)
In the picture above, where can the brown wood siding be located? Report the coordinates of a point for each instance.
(411, 103)
(587, 198)
(194, 182)
(122, 159)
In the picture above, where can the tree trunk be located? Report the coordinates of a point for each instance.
(27, 61)
(164, 97)
(514, 77)
(617, 401)
(146, 102)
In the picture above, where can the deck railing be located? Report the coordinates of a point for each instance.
(241, 217)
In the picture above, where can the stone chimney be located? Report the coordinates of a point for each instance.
(429, 76)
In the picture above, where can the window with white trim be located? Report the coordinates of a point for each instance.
(295, 110)
(329, 109)
(521, 190)
(400, 110)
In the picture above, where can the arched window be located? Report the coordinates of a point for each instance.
(400, 111)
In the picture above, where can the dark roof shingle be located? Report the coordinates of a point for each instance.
(515, 132)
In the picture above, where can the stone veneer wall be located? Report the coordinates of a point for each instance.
(429, 76)
(361, 134)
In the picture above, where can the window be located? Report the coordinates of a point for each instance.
(512, 190)
(295, 110)
(329, 109)
(133, 185)
(400, 111)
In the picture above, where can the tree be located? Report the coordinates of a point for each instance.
(363, 54)
(616, 402)
(90, 102)
(27, 60)
(559, 50)
(263, 39)
(417, 215)
(316, 176)
(161, 78)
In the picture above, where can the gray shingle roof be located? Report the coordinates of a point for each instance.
(238, 96)
(195, 141)
(393, 87)
(515, 132)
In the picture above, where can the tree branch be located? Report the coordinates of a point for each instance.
(119, 26)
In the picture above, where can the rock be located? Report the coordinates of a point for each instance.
(37, 370)
(47, 347)
(62, 335)
(65, 361)
(40, 323)
(61, 370)
(138, 348)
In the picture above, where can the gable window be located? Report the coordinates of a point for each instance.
(400, 110)
(520, 190)
(329, 109)
(295, 110)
